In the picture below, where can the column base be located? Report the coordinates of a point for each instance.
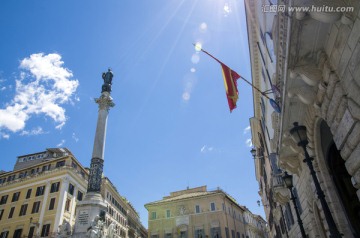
(86, 210)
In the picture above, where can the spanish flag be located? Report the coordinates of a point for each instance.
(230, 78)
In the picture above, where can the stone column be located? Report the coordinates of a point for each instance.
(97, 161)
(93, 203)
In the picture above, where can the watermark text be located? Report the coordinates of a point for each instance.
(283, 8)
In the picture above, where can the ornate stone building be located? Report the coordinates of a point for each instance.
(316, 72)
(200, 213)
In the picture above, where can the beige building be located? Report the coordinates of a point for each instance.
(121, 212)
(197, 213)
(42, 191)
(311, 50)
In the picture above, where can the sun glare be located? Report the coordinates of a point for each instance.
(198, 46)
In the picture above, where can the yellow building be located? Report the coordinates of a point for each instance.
(42, 191)
(39, 193)
(196, 213)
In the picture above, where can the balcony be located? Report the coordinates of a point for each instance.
(281, 194)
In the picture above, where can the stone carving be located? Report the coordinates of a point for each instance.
(182, 210)
(105, 102)
(110, 230)
(96, 230)
(64, 229)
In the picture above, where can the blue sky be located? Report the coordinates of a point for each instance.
(171, 126)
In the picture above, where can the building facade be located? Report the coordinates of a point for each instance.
(311, 51)
(121, 213)
(199, 213)
(41, 194)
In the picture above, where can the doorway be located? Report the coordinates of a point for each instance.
(342, 179)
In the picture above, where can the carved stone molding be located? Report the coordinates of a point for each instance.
(310, 74)
(325, 17)
(289, 143)
(281, 195)
(290, 163)
(305, 93)
(105, 101)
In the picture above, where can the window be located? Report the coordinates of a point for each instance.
(71, 189)
(23, 210)
(1, 214)
(3, 199)
(45, 230)
(79, 196)
(167, 213)
(15, 197)
(197, 208)
(67, 205)
(28, 194)
(11, 213)
(199, 233)
(183, 234)
(227, 232)
(73, 164)
(60, 164)
(40, 191)
(168, 235)
(52, 204)
(153, 215)
(36, 206)
(31, 232)
(232, 234)
(44, 168)
(212, 206)
(4, 234)
(17, 233)
(55, 187)
(32, 171)
(224, 208)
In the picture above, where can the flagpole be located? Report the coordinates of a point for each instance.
(262, 93)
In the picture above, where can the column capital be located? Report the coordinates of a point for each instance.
(105, 101)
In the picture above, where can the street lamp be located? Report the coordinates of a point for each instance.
(259, 203)
(288, 180)
(253, 152)
(298, 133)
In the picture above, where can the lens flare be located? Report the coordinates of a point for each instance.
(203, 27)
(198, 46)
(195, 58)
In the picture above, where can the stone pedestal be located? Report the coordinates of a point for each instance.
(87, 210)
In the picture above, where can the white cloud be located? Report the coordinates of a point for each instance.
(247, 129)
(43, 87)
(2, 88)
(36, 131)
(75, 138)
(61, 143)
(248, 143)
(206, 149)
(4, 135)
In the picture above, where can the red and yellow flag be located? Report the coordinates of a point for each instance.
(230, 78)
